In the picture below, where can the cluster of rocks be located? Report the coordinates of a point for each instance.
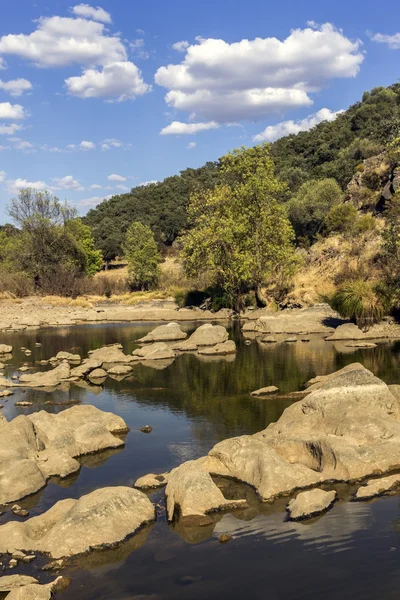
(36, 447)
(23, 587)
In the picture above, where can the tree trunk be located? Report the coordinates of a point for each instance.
(260, 297)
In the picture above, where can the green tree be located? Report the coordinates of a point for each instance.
(309, 207)
(142, 255)
(84, 238)
(341, 219)
(240, 236)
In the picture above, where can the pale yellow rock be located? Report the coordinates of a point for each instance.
(311, 503)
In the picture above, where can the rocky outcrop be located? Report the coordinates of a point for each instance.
(205, 335)
(346, 428)
(68, 356)
(50, 378)
(164, 333)
(377, 487)
(33, 590)
(156, 351)
(309, 504)
(222, 349)
(316, 319)
(71, 527)
(42, 445)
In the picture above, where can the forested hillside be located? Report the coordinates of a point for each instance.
(330, 150)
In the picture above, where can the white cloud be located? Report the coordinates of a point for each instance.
(249, 79)
(3, 64)
(138, 49)
(10, 129)
(393, 41)
(87, 145)
(178, 128)
(181, 46)
(68, 183)
(12, 111)
(121, 80)
(93, 201)
(16, 87)
(122, 187)
(14, 185)
(274, 132)
(61, 41)
(2, 176)
(95, 186)
(114, 143)
(115, 177)
(144, 183)
(19, 144)
(191, 145)
(89, 12)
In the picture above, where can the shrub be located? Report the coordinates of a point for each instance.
(359, 301)
(341, 219)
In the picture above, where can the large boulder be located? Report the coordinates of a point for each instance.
(36, 447)
(50, 378)
(156, 351)
(110, 355)
(347, 331)
(347, 428)
(98, 520)
(164, 333)
(205, 335)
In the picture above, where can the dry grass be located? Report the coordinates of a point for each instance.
(81, 302)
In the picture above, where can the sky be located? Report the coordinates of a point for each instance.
(95, 100)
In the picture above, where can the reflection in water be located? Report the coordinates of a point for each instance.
(191, 404)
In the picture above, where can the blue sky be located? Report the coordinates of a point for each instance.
(97, 99)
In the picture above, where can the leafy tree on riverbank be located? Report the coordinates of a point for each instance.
(240, 236)
(142, 256)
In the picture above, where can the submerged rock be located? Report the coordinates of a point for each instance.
(41, 445)
(309, 504)
(156, 351)
(98, 520)
(164, 333)
(265, 391)
(377, 487)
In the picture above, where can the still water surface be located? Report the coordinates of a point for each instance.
(191, 404)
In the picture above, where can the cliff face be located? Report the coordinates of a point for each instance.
(374, 184)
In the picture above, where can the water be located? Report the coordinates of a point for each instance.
(351, 552)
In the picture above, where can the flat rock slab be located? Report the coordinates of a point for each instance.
(120, 370)
(361, 345)
(71, 527)
(11, 582)
(110, 355)
(265, 391)
(50, 378)
(156, 351)
(222, 349)
(377, 487)
(151, 481)
(309, 504)
(164, 333)
(269, 339)
(205, 335)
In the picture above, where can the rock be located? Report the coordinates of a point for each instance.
(50, 378)
(5, 349)
(224, 538)
(205, 335)
(60, 356)
(222, 349)
(156, 351)
(347, 428)
(35, 591)
(17, 554)
(146, 429)
(151, 481)
(19, 512)
(36, 447)
(291, 339)
(98, 520)
(13, 563)
(266, 391)
(23, 404)
(164, 333)
(377, 487)
(6, 393)
(120, 370)
(361, 345)
(88, 365)
(269, 339)
(38, 345)
(23, 369)
(305, 339)
(97, 374)
(111, 354)
(347, 331)
(310, 503)
(12, 582)
(296, 322)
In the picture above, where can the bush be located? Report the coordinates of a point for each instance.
(16, 284)
(359, 301)
(341, 219)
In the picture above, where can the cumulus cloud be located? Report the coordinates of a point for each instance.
(84, 145)
(121, 80)
(181, 46)
(89, 12)
(145, 183)
(92, 201)
(19, 144)
(178, 128)
(12, 111)
(122, 187)
(114, 143)
(2, 176)
(14, 185)
(250, 79)
(115, 177)
(95, 186)
(16, 87)
(67, 183)
(191, 145)
(274, 132)
(10, 129)
(393, 41)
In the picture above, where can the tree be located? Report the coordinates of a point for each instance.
(241, 236)
(84, 238)
(142, 255)
(310, 206)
